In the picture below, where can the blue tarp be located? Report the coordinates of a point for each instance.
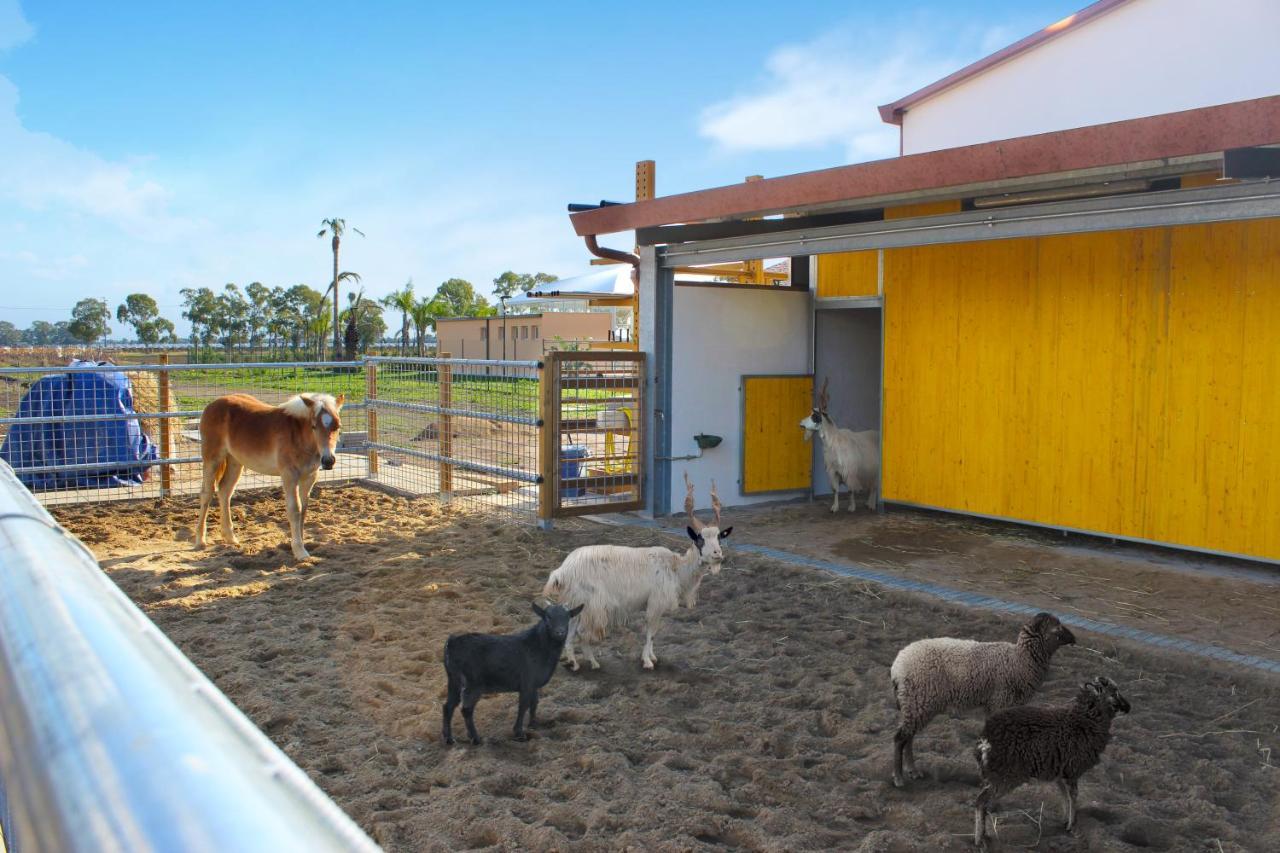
(119, 446)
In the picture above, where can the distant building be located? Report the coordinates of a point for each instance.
(520, 336)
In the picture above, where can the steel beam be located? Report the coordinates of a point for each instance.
(1254, 200)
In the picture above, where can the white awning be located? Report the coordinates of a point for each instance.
(612, 281)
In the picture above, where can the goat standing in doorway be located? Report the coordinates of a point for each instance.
(851, 458)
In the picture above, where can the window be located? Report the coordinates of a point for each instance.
(524, 331)
(502, 333)
(484, 333)
(535, 332)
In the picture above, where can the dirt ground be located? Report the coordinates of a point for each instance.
(1230, 603)
(767, 724)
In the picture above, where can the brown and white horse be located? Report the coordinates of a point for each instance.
(292, 441)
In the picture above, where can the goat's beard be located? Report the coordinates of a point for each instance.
(808, 434)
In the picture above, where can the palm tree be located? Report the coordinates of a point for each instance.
(336, 227)
(424, 314)
(402, 301)
(318, 326)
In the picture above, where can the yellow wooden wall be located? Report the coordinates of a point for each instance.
(1126, 382)
(848, 274)
(775, 456)
(858, 273)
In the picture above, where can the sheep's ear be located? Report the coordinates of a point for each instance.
(1041, 621)
(575, 611)
(542, 614)
(724, 534)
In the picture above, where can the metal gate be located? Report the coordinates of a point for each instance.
(593, 438)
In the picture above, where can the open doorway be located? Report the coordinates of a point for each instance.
(847, 351)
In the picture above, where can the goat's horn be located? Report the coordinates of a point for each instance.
(694, 521)
(823, 397)
(715, 503)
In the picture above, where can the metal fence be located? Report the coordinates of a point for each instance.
(465, 429)
(72, 433)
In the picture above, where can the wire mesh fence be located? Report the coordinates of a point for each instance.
(594, 438)
(97, 432)
(466, 429)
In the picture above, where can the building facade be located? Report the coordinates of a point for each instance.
(520, 336)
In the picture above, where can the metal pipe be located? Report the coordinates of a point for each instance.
(522, 476)
(612, 254)
(110, 739)
(175, 368)
(75, 419)
(429, 409)
(465, 362)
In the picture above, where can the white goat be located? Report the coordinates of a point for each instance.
(852, 458)
(614, 582)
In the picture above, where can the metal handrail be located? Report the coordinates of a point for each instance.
(110, 739)
(157, 368)
(462, 362)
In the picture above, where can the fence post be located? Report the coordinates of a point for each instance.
(548, 440)
(166, 432)
(371, 412)
(446, 427)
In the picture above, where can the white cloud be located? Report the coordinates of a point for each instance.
(825, 92)
(14, 29)
(42, 172)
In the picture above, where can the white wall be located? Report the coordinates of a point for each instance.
(720, 335)
(1141, 59)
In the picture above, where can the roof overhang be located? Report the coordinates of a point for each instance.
(1172, 143)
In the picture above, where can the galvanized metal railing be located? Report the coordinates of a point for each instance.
(110, 739)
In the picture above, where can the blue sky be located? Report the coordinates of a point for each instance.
(155, 146)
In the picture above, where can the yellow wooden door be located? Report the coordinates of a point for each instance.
(775, 456)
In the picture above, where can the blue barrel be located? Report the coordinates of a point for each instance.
(571, 468)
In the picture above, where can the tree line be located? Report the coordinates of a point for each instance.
(293, 323)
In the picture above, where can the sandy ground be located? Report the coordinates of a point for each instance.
(767, 724)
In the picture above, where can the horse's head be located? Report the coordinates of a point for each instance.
(325, 424)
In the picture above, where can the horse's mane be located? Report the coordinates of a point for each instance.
(297, 407)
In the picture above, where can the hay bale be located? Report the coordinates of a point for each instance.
(146, 398)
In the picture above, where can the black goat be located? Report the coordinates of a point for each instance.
(476, 664)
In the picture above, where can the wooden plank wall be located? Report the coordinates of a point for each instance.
(775, 456)
(1126, 383)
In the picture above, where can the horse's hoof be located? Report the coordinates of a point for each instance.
(475, 741)
(522, 736)
(448, 740)
(595, 665)
(898, 781)
(647, 664)
(915, 774)
(301, 555)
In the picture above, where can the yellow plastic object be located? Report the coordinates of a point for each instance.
(612, 464)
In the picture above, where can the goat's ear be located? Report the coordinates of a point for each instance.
(342, 398)
(724, 534)
(575, 611)
(693, 534)
(542, 614)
